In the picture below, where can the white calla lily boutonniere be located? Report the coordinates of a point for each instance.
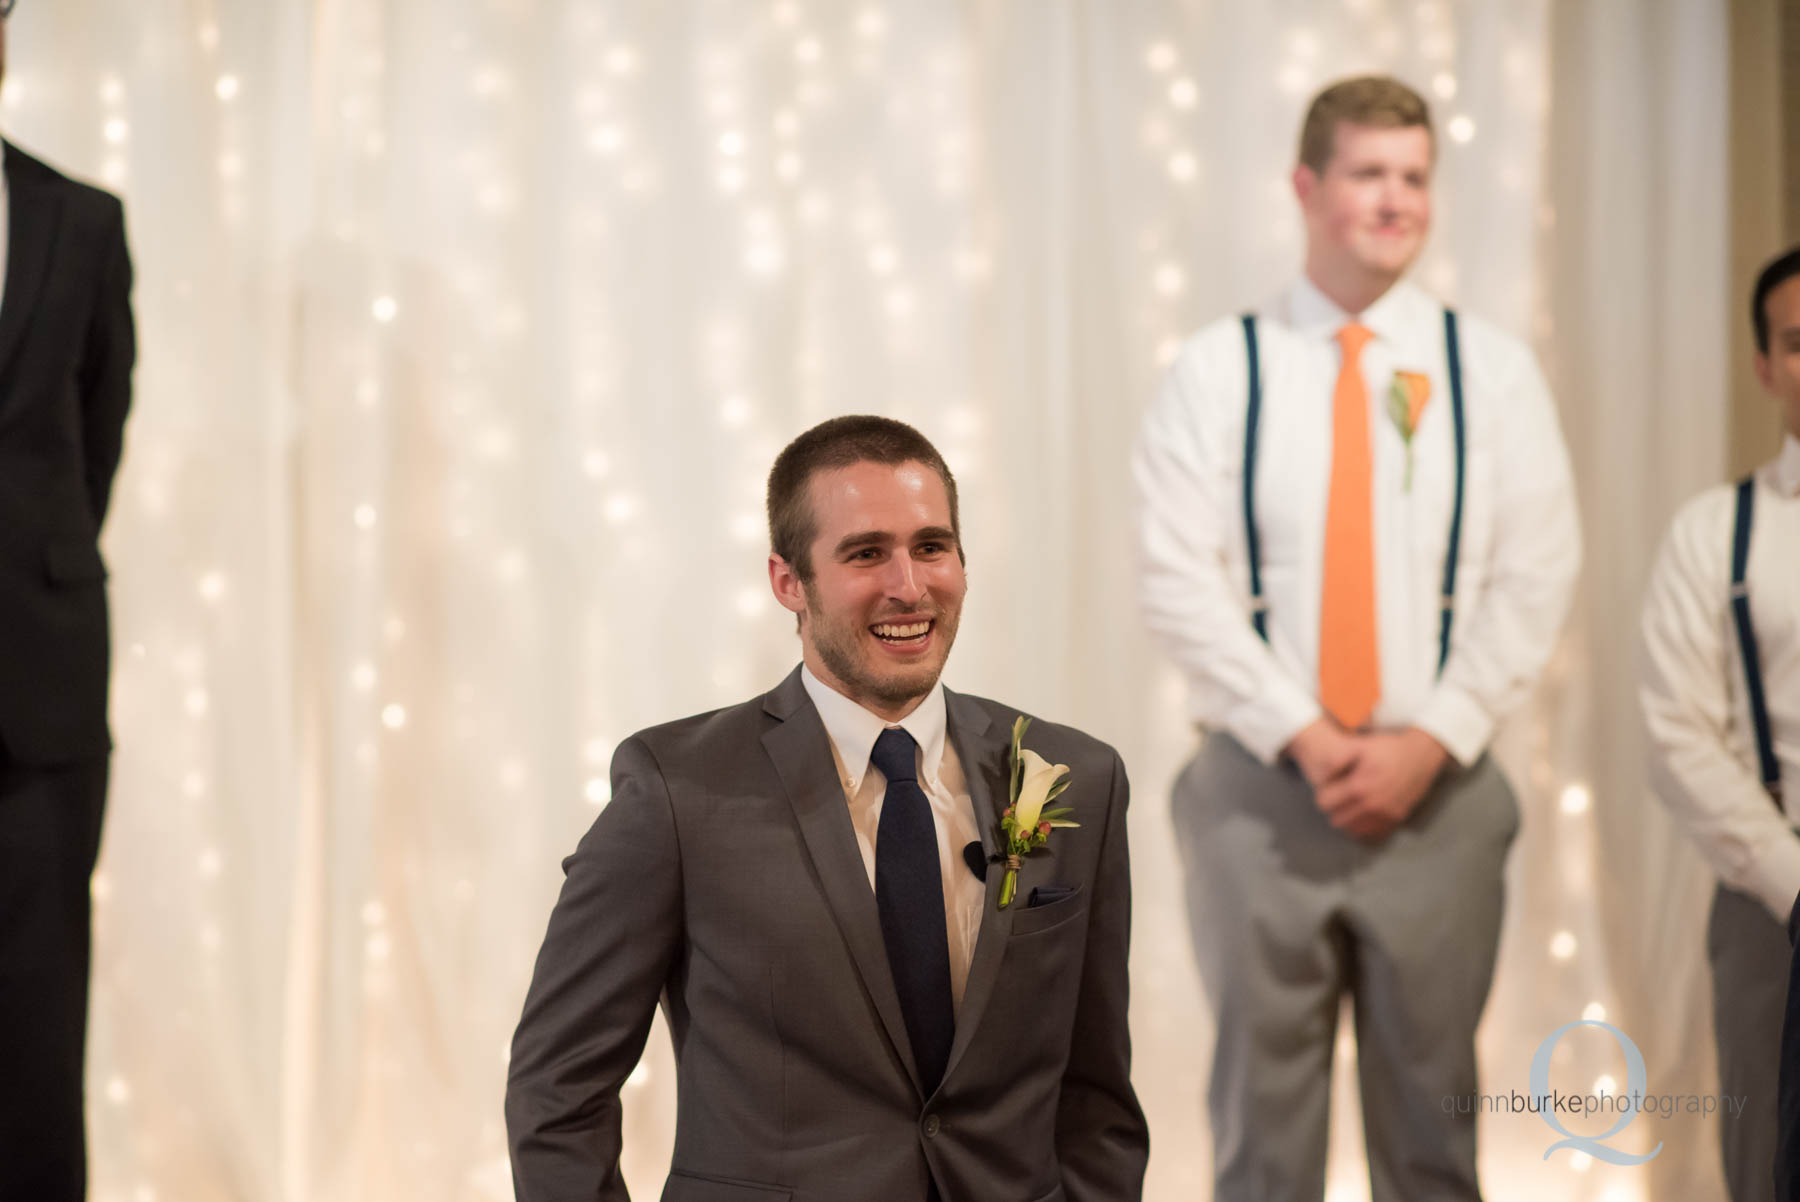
(1026, 823)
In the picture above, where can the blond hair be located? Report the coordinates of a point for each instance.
(1380, 101)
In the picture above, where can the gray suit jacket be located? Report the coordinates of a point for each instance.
(724, 879)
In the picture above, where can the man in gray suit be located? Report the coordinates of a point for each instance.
(810, 883)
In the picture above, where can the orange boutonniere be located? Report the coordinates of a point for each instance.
(1406, 403)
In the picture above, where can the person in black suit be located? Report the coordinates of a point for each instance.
(67, 346)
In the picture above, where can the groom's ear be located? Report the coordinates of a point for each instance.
(786, 584)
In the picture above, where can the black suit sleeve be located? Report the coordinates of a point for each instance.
(1787, 1092)
(106, 362)
(613, 940)
(1102, 1142)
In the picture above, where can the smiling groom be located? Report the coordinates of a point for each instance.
(810, 884)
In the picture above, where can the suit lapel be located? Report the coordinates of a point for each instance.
(801, 753)
(982, 747)
(34, 215)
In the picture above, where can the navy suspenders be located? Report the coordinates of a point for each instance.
(1447, 604)
(1767, 765)
(1259, 606)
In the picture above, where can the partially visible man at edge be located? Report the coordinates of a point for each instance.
(1719, 686)
(67, 347)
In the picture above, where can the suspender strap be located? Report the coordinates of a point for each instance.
(1259, 608)
(1746, 635)
(1453, 356)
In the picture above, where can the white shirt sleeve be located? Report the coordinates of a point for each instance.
(1500, 644)
(1187, 515)
(1686, 666)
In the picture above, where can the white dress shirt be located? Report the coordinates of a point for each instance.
(853, 731)
(1702, 744)
(1521, 541)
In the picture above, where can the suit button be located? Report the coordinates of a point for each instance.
(931, 1126)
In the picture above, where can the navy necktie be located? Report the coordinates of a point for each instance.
(909, 891)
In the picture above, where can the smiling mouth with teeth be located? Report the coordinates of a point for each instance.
(901, 633)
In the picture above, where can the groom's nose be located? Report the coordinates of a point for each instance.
(905, 580)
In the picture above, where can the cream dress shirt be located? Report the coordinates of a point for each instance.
(853, 731)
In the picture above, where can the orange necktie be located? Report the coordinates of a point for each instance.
(1349, 655)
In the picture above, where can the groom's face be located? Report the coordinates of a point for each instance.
(881, 610)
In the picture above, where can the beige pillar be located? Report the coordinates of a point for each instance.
(1790, 108)
(1765, 186)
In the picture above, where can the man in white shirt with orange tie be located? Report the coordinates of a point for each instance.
(1358, 538)
(1719, 684)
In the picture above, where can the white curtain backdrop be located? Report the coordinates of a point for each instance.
(470, 328)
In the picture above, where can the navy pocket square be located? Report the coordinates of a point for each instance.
(1049, 895)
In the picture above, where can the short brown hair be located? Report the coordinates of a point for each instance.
(836, 443)
(1380, 101)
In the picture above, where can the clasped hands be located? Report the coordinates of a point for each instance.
(1367, 783)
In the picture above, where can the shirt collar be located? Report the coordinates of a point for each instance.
(853, 729)
(1787, 467)
(1313, 313)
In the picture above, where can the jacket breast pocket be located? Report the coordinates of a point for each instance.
(1034, 920)
(696, 1187)
(72, 562)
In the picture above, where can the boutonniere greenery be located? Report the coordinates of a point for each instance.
(1026, 823)
(1406, 400)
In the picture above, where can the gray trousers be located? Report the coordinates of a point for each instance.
(1748, 949)
(1288, 915)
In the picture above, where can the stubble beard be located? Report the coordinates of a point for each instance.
(838, 650)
